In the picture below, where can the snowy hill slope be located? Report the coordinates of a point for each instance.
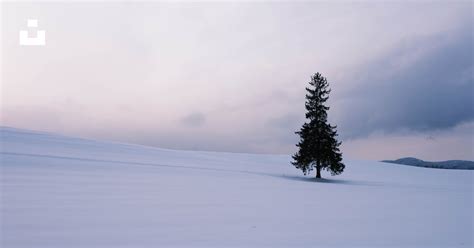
(450, 164)
(59, 191)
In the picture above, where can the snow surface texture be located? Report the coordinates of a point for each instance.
(59, 191)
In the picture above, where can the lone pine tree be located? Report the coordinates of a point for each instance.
(318, 147)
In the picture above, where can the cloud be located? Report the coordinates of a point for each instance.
(195, 119)
(135, 75)
(422, 84)
(454, 143)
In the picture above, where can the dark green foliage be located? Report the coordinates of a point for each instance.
(318, 147)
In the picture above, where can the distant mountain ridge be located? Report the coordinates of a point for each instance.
(450, 164)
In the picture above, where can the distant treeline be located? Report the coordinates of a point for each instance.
(450, 164)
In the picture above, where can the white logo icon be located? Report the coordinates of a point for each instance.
(39, 40)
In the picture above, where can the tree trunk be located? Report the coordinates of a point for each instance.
(318, 171)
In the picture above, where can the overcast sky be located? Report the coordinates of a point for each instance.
(231, 76)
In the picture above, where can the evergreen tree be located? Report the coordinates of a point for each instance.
(318, 147)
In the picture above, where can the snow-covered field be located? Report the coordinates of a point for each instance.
(59, 191)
